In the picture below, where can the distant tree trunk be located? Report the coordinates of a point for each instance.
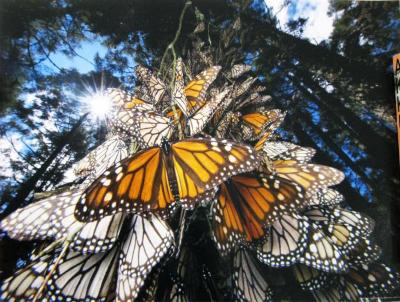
(375, 144)
(30, 184)
(302, 133)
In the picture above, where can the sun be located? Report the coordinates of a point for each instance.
(99, 103)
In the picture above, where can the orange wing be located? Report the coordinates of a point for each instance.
(136, 184)
(259, 123)
(260, 144)
(133, 103)
(310, 176)
(202, 164)
(249, 202)
(196, 90)
(256, 120)
(141, 183)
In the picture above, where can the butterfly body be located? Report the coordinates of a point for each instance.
(167, 158)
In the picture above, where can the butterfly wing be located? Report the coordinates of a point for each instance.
(79, 278)
(310, 176)
(198, 121)
(25, 283)
(345, 234)
(242, 88)
(98, 236)
(92, 237)
(239, 69)
(268, 132)
(285, 241)
(255, 123)
(288, 151)
(148, 241)
(202, 164)
(248, 279)
(325, 197)
(155, 87)
(196, 90)
(178, 93)
(248, 203)
(254, 99)
(364, 252)
(224, 126)
(32, 221)
(322, 252)
(374, 279)
(148, 128)
(137, 184)
(100, 159)
(311, 279)
(122, 99)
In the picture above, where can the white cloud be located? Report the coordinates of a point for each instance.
(319, 25)
(280, 10)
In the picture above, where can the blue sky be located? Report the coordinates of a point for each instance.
(87, 50)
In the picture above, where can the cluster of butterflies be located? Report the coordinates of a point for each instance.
(267, 205)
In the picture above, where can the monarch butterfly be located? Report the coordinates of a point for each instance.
(288, 151)
(238, 70)
(330, 294)
(149, 289)
(374, 279)
(32, 222)
(259, 88)
(191, 97)
(147, 242)
(311, 279)
(248, 202)
(310, 176)
(248, 278)
(25, 283)
(254, 124)
(254, 99)
(285, 242)
(100, 159)
(153, 179)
